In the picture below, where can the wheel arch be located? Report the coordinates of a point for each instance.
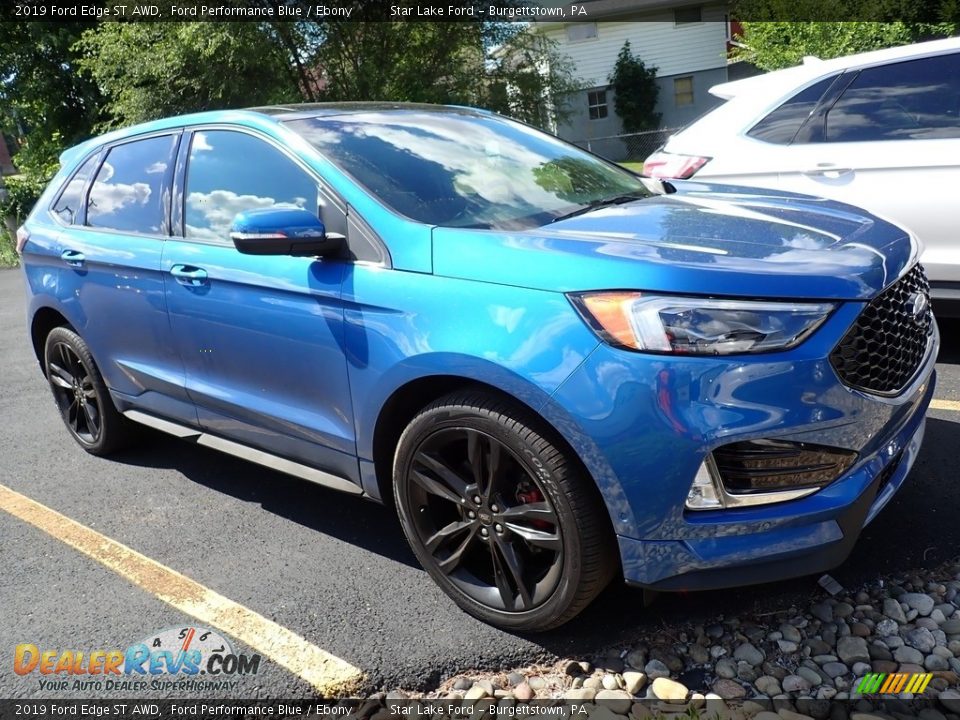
(43, 321)
(410, 398)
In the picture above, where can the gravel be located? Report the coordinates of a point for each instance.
(800, 657)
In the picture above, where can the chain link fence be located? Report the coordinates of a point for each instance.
(629, 147)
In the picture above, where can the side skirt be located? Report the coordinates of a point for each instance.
(275, 462)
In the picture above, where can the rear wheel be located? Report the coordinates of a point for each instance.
(81, 396)
(500, 517)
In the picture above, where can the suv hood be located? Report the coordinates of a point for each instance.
(702, 240)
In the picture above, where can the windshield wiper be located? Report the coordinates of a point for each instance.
(602, 202)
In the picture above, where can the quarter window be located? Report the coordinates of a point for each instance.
(68, 205)
(127, 192)
(912, 100)
(782, 124)
(229, 172)
(597, 104)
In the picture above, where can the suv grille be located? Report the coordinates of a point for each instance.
(884, 348)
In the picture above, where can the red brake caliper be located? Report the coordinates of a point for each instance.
(533, 495)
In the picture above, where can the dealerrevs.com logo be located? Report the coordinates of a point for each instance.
(172, 659)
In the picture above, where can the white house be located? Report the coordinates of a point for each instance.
(688, 43)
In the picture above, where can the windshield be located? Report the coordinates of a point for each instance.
(460, 169)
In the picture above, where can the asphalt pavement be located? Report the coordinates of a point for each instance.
(332, 568)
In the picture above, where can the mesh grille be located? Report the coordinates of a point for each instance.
(884, 348)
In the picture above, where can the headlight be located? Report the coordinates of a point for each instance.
(698, 326)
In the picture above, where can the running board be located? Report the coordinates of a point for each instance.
(274, 462)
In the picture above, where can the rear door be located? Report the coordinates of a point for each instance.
(890, 143)
(110, 280)
(260, 337)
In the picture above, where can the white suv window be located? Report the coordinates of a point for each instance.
(782, 124)
(912, 100)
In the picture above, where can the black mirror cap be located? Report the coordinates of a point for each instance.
(330, 244)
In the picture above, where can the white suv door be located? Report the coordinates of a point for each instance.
(891, 143)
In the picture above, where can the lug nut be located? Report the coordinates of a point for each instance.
(471, 514)
(498, 527)
(476, 499)
(494, 508)
(484, 532)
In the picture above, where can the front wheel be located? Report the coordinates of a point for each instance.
(81, 396)
(501, 518)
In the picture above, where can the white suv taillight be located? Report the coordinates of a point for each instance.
(22, 237)
(671, 165)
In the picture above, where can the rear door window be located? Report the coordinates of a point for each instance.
(912, 100)
(67, 207)
(781, 125)
(127, 194)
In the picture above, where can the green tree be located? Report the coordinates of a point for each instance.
(150, 70)
(635, 87)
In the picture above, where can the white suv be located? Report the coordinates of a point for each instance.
(880, 130)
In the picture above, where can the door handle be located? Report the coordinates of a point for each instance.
(73, 258)
(189, 275)
(828, 170)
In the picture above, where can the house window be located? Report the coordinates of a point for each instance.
(597, 103)
(683, 91)
(682, 16)
(581, 31)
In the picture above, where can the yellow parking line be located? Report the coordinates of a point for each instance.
(944, 405)
(328, 674)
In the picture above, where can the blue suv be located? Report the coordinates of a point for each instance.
(556, 371)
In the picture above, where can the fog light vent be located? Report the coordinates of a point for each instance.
(770, 465)
(759, 472)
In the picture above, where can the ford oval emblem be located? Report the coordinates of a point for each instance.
(917, 305)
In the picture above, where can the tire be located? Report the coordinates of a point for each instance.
(81, 397)
(503, 520)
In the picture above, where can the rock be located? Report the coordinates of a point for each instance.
(887, 627)
(766, 715)
(612, 664)
(726, 668)
(669, 690)
(699, 654)
(572, 668)
(860, 629)
(790, 633)
(853, 649)
(921, 639)
(463, 684)
(795, 684)
(577, 683)
(728, 689)
(950, 699)
(609, 682)
(523, 692)
(637, 659)
(951, 627)
(749, 653)
(824, 612)
(811, 676)
(592, 683)
(617, 700)
(717, 652)
(787, 646)
(714, 631)
(892, 609)
(935, 663)
(746, 671)
(656, 669)
(583, 694)
(824, 659)
(923, 604)
(537, 682)
(514, 678)
(790, 715)
(599, 712)
(634, 682)
(884, 666)
(476, 693)
(835, 669)
(908, 655)
(843, 610)
(817, 646)
(768, 685)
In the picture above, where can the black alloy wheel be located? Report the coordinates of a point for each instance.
(500, 517)
(81, 396)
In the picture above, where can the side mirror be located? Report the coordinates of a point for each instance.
(283, 231)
